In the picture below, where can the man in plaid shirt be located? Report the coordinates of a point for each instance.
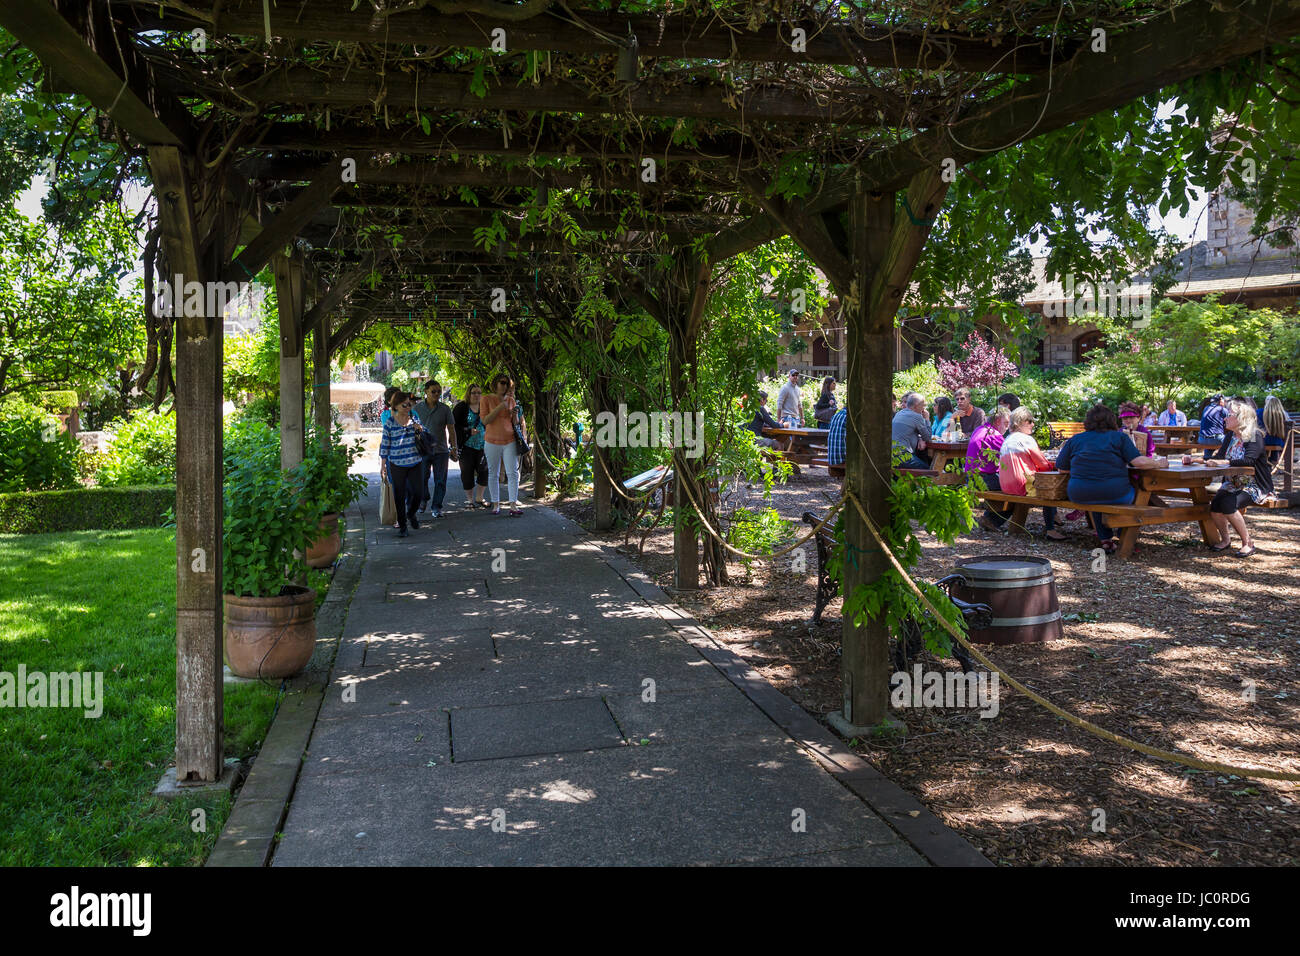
(835, 441)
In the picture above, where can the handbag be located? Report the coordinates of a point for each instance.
(425, 444)
(387, 506)
(521, 443)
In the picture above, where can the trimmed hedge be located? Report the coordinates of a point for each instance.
(81, 509)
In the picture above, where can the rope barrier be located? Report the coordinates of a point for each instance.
(1103, 733)
(1085, 725)
(744, 554)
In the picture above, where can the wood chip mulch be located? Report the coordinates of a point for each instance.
(1159, 649)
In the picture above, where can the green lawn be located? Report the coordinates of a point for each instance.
(76, 791)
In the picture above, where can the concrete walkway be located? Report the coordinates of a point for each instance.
(544, 704)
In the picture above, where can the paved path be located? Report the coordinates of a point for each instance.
(539, 705)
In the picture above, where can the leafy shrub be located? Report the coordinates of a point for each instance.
(39, 512)
(248, 439)
(324, 473)
(269, 525)
(758, 532)
(36, 455)
(922, 378)
(142, 452)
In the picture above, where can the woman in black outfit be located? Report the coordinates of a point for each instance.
(1243, 445)
(825, 408)
(469, 438)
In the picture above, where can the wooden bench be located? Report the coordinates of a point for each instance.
(1058, 432)
(1117, 516)
(836, 471)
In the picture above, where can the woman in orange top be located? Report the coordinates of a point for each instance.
(1021, 457)
(497, 412)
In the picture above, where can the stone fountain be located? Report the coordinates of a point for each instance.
(349, 395)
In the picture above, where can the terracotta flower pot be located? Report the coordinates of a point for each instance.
(270, 636)
(327, 546)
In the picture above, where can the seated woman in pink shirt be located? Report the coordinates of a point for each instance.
(982, 455)
(1020, 458)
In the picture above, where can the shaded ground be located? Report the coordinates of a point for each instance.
(1156, 649)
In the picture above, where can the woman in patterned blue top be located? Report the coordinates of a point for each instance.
(400, 461)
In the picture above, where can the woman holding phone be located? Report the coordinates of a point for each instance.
(497, 412)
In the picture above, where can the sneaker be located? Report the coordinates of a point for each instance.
(414, 522)
(436, 512)
(988, 524)
(402, 533)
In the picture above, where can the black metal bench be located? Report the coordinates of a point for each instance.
(910, 645)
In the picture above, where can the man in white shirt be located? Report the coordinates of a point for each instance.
(789, 403)
(1171, 415)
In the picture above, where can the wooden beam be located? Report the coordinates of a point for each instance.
(285, 226)
(671, 35)
(125, 92)
(807, 229)
(341, 288)
(350, 329)
(410, 139)
(199, 511)
(436, 92)
(289, 306)
(320, 373)
(1193, 39)
(588, 175)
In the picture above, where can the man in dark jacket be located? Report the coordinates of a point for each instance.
(441, 427)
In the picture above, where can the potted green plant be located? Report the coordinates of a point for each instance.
(270, 621)
(329, 488)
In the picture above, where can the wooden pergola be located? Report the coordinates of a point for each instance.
(305, 135)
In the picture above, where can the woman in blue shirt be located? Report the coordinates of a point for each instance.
(400, 461)
(1098, 460)
(942, 416)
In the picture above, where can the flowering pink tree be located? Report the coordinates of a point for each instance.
(983, 367)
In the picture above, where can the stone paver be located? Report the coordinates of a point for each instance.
(549, 714)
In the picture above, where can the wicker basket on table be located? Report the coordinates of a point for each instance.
(1048, 484)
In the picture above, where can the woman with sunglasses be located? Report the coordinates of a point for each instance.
(469, 436)
(498, 414)
(400, 461)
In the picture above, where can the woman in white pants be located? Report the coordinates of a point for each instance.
(497, 412)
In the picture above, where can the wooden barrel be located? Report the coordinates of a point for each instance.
(1020, 589)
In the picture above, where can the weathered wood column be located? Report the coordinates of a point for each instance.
(869, 268)
(684, 315)
(320, 374)
(289, 302)
(885, 244)
(199, 511)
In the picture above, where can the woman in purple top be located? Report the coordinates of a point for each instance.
(1130, 418)
(982, 454)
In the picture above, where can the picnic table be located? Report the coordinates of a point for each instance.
(1184, 447)
(1174, 432)
(942, 452)
(800, 443)
(1192, 480)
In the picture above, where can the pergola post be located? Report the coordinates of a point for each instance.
(684, 318)
(289, 301)
(320, 373)
(199, 512)
(868, 443)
